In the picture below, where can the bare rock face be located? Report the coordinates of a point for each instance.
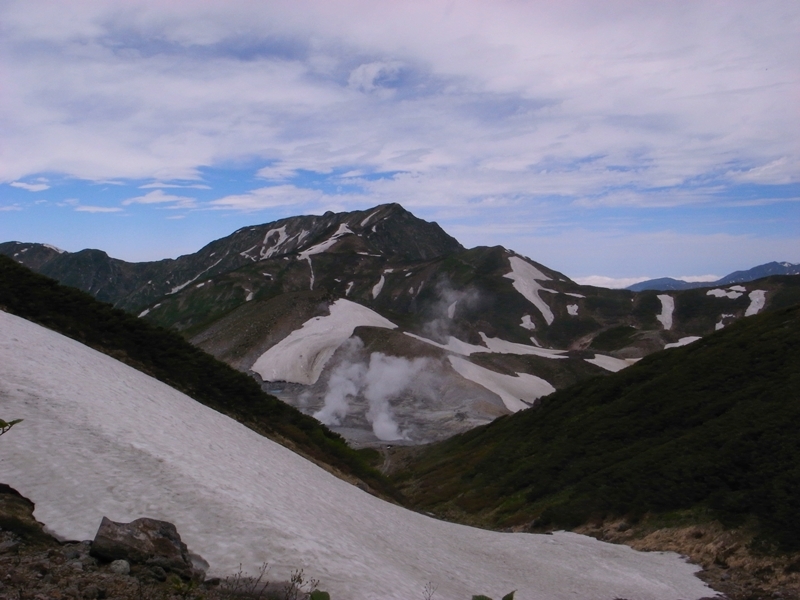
(150, 542)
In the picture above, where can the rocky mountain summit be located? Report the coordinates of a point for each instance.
(385, 328)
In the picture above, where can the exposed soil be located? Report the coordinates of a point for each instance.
(730, 564)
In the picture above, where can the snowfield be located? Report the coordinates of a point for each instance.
(301, 356)
(684, 341)
(517, 392)
(757, 300)
(524, 276)
(667, 308)
(609, 363)
(101, 439)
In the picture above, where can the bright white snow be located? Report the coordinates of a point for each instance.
(100, 439)
(504, 347)
(323, 246)
(667, 308)
(527, 323)
(525, 276)
(451, 310)
(178, 288)
(144, 312)
(757, 300)
(682, 342)
(301, 356)
(718, 293)
(572, 309)
(517, 392)
(376, 289)
(609, 363)
(738, 288)
(349, 288)
(721, 323)
(493, 345)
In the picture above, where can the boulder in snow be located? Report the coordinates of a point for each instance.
(150, 542)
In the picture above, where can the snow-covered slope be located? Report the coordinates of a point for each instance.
(300, 357)
(101, 439)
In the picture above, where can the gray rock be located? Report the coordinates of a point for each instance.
(144, 541)
(120, 567)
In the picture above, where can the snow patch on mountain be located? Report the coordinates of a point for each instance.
(667, 308)
(453, 345)
(721, 322)
(572, 309)
(301, 356)
(269, 250)
(757, 300)
(451, 310)
(324, 246)
(101, 439)
(501, 346)
(524, 276)
(517, 392)
(682, 342)
(178, 288)
(609, 363)
(376, 289)
(527, 323)
(719, 293)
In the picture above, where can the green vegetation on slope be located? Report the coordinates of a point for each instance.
(166, 356)
(710, 426)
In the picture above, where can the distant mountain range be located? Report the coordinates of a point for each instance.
(668, 283)
(387, 329)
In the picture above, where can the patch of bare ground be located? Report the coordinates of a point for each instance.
(730, 563)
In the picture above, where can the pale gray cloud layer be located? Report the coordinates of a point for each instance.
(493, 109)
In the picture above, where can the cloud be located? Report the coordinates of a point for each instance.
(196, 186)
(10, 207)
(609, 282)
(159, 197)
(97, 209)
(267, 197)
(31, 187)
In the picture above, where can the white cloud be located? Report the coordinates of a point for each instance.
(31, 187)
(609, 282)
(158, 185)
(159, 197)
(267, 197)
(97, 209)
(666, 94)
(10, 207)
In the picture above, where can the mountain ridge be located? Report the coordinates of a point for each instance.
(308, 304)
(758, 272)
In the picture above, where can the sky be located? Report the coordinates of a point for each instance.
(615, 139)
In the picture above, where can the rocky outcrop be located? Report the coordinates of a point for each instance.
(149, 542)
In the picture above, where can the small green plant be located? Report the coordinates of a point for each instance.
(5, 426)
(509, 596)
(184, 589)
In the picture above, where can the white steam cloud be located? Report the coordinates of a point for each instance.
(448, 304)
(378, 380)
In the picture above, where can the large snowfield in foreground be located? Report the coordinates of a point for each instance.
(100, 438)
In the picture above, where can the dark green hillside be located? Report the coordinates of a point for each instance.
(711, 426)
(168, 357)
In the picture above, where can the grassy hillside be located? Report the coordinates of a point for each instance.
(166, 356)
(711, 427)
